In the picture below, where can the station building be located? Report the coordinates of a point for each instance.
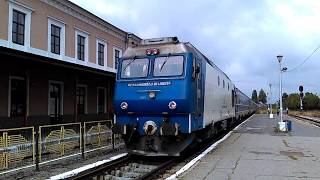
(57, 63)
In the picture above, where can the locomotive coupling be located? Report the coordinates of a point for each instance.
(150, 127)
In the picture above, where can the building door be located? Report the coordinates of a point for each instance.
(17, 97)
(55, 103)
(101, 100)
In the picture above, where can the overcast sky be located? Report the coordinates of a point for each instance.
(242, 37)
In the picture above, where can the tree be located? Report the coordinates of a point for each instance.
(310, 101)
(262, 96)
(254, 96)
(292, 101)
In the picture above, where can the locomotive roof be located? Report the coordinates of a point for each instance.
(167, 46)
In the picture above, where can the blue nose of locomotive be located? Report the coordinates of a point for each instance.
(156, 96)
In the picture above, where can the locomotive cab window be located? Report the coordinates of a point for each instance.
(134, 68)
(168, 66)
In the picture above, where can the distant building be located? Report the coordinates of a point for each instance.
(57, 63)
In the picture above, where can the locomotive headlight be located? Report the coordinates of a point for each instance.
(124, 105)
(152, 95)
(172, 105)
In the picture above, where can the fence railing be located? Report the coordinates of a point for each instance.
(28, 146)
(59, 140)
(97, 134)
(17, 147)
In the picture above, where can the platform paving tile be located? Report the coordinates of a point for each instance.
(256, 151)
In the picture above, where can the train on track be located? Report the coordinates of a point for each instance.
(169, 95)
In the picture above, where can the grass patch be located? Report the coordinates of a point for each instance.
(293, 158)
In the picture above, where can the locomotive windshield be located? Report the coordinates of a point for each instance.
(168, 66)
(134, 68)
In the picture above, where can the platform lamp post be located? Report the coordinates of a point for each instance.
(270, 99)
(279, 57)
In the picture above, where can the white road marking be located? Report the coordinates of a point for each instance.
(212, 147)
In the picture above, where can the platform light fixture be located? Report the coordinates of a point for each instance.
(280, 57)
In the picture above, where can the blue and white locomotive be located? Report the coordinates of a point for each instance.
(168, 94)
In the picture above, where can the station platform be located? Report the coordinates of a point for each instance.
(256, 150)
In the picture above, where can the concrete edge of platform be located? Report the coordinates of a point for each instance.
(74, 172)
(204, 153)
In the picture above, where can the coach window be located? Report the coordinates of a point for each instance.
(218, 81)
(17, 96)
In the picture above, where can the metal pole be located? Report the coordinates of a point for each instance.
(281, 120)
(37, 148)
(270, 100)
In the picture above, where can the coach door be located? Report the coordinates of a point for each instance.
(199, 88)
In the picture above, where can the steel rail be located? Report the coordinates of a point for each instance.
(308, 119)
(157, 171)
(100, 170)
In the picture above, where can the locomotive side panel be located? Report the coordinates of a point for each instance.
(218, 96)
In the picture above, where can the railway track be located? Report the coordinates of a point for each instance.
(136, 167)
(128, 168)
(312, 120)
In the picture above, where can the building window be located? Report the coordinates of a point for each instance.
(101, 54)
(17, 97)
(116, 57)
(81, 99)
(218, 81)
(101, 100)
(18, 27)
(19, 24)
(228, 86)
(56, 36)
(223, 84)
(117, 53)
(55, 39)
(81, 46)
